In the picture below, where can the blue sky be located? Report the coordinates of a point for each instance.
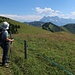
(30, 10)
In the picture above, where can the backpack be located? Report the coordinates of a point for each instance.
(1, 33)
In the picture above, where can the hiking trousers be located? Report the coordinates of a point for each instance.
(5, 48)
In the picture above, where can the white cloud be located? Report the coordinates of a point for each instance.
(44, 11)
(22, 17)
(73, 14)
(70, 15)
(47, 11)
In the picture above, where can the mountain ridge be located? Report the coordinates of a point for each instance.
(54, 28)
(56, 20)
(35, 23)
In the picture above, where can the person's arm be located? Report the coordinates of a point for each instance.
(10, 40)
(7, 38)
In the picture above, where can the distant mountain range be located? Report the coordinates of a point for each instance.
(57, 21)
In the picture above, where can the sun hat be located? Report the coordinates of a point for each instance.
(5, 25)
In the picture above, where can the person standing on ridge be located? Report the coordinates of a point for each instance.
(5, 43)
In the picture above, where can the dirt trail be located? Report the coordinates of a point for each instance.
(3, 70)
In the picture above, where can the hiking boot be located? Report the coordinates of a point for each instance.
(5, 65)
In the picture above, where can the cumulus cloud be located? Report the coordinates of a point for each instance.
(44, 11)
(73, 14)
(70, 15)
(47, 11)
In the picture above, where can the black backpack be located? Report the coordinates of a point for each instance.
(1, 33)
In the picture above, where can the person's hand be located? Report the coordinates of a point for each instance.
(12, 40)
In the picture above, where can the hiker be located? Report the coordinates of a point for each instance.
(5, 43)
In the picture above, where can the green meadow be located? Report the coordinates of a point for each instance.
(47, 53)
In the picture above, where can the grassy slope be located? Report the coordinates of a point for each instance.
(65, 29)
(59, 47)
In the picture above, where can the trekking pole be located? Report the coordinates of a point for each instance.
(11, 36)
(10, 44)
(25, 50)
